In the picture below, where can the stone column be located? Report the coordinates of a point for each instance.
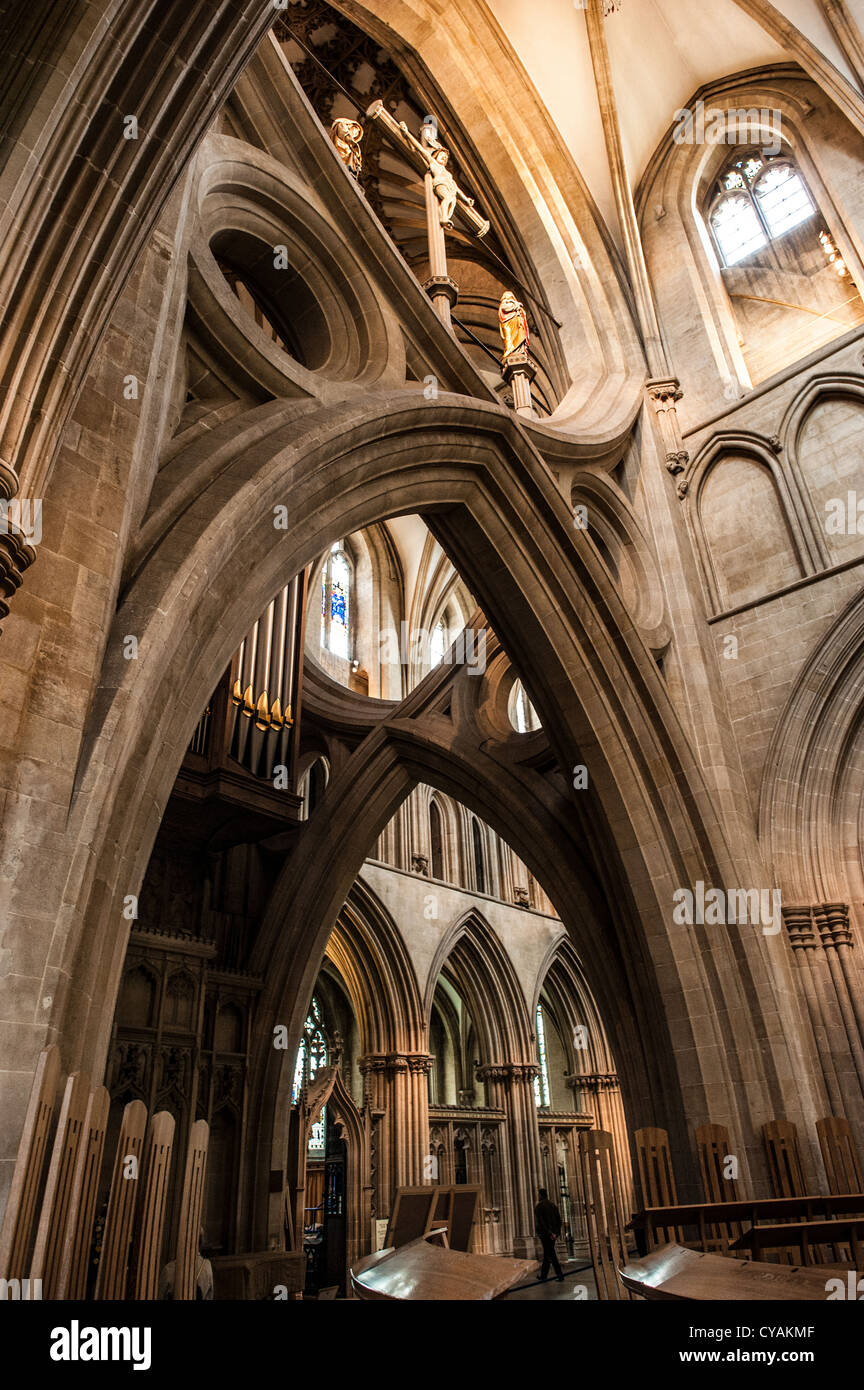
(832, 921)
(443, 291)
(510, 1087)
(396, 1082)
(602, 1099)
(802, 938)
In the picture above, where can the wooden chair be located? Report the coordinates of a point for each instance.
(192, 1200)
(839, 1155)
(784, 1159)
(150, 1217)
(72, 1279)
(656, 1176)
(56, 1200)
(117, 1237)
(22, 1205)
(606, 1239)
(712, 1144)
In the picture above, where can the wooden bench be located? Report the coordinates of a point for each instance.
(671, 1272)
(704, 1215)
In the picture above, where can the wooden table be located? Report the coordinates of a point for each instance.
(672, 1273)
(424, 1270)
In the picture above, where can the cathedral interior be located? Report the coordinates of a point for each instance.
(431, 646)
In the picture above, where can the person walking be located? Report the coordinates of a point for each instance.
(547, 1226)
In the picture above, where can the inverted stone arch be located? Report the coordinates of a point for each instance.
(470, 469)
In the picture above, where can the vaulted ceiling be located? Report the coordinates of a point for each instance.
(661, 52)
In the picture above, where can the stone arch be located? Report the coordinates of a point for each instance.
(678, 243)
(835, 466)
(814, 772)
(731, 573)
(489, 986)
(367, 949)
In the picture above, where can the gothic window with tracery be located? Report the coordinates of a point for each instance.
(312, 1052)
(336, 601)
(757, 199)
(541, 1080)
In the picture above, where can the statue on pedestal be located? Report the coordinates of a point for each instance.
(346, 136)
(513, 325)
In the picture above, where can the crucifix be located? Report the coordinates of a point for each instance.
(444, 201)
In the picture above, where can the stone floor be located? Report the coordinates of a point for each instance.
(577, 1277)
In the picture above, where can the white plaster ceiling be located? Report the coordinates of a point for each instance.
(662, 52)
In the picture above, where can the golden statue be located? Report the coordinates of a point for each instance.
(513, 324)
(346, 136)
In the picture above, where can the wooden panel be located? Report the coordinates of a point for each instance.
(463, 1213)
(19, 1218)
(51, 1231)
(72, 1279)
(606, 1241)
(839, 1155)
(125, 1177)
(191, 1202)
(671, 1272)
(150, 1217)
(784, 1160)
(412, 1214)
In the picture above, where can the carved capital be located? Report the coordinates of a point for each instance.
(593, 1081)
(799, 927)
(15, 557)
(832, 919)
(665, 393)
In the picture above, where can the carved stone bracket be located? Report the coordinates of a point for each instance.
(417, 1063)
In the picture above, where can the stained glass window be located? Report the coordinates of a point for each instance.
(757, 200)
(783, 199)
(541, 1080)
(312, 1052)
(336, 602)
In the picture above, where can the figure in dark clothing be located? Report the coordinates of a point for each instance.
(547, 1226)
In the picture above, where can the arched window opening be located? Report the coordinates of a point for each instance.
(757, 199)
(336, 602)
(522, 714)
(439, 643)
(436, 840)
(541, 1080)
(479, 861)
(311, 1056)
